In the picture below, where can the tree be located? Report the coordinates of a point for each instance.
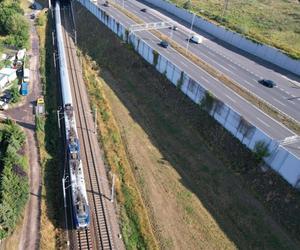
(19, 31)
(14, 24)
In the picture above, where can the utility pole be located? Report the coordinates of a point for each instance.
(65, 208)
(171, 34)
(58, 121)
(95, 120)
(188, 41)
(112, 188)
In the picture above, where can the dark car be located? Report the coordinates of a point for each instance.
(32, 16)
(164, 44)
(267, 83)
(144, 10)
(106, 4)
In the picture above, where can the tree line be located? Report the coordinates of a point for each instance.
(14, 185)
(13, 25)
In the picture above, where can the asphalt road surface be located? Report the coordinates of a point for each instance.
(238, 65)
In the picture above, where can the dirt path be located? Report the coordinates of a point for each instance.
(29, 238)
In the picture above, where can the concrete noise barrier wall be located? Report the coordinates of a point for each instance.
(280, 159)
(262, 51)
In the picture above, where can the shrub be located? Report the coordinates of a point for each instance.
(40, 20)
(261, 150)
(207, 102)
(15, 95)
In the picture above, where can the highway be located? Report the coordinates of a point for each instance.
(259, 119)
(232, 62)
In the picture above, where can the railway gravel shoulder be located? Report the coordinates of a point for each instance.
(100, 235)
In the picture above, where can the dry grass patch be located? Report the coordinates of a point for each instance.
(135, 225)
(202, 188)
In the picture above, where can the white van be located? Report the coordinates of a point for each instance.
(26, 75)
(196, 39)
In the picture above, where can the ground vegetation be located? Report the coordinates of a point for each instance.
(14, 180)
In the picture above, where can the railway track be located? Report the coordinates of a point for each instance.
(84, 239)
(98, 235)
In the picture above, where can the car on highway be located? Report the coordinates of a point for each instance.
(196, 39)
(144, 10)
(32, 16)
(106, 4)
(164, 44)
(174, 27)
(267, 83)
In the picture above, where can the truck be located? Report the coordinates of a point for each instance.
(24, 88)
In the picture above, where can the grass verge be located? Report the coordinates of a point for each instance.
(135, 225)
(50, 147)
(271, 22)
(236, 87)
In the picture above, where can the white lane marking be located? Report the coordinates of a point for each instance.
(249, 83)
(232, 67)
(183, 63)
(278, 101)
(230, 98)
(263, 122)
(204, 79)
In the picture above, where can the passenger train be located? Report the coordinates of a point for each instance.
(81, 211)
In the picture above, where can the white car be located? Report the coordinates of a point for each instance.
(196, 39)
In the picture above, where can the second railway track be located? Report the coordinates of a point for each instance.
(98, 235)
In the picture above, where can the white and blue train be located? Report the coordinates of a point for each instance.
(81, 211)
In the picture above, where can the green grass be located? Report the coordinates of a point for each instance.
(274, 22)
